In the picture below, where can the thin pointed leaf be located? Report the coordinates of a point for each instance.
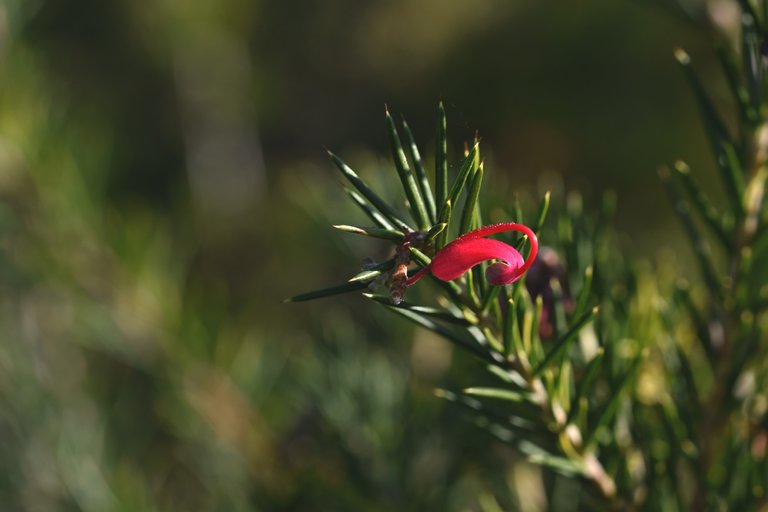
(541, 457)
(435, 231)
(755, 200)
(492, 340)
(445, 218)
(509, 376)
(543, 209)
(735, 172)
(683, 297)
(733, 76)
(469, 279)
(369, 210)
(692, 401)
(706, 210)
(587, 379)
(700, 247)
(532, 331)
(415, 201)
(753, 61)
(365, 275)
(446, 333)
(374, 271)
(518, 210)
(327, 292)
(711, 116)
(718, 135)
(498, 393)
(678, 430)
(489, 297)
(558, 305)
(385, 234)
(610, 410)
(441, 157)
(513, 341)
(583, 298)
(366, 191)
(466, 170)
(468, 214)
(421, 175)
(565, 341)
(524, 420)
(436, 313)
(420, 256)
(563, 388)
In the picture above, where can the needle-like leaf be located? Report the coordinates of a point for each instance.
(704, 207)
(369, 194)
(441, 157)
(566, 340)
(467, 169)
(468, 215)
(421, 175)
(415, 201)
(386, 234)
(700, 247)
(720, 140)
(327, 292)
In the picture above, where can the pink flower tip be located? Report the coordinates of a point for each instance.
(472, 248)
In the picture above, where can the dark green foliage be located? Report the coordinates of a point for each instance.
(547, 405)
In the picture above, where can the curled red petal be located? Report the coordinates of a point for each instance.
(460, 256)
(470, 249)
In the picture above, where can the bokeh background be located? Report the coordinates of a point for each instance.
(163, 187)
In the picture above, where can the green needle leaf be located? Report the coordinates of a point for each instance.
(420, 256)
(468, 214)
(421, 175)
(327, 292)
(543, 209)
(366, 191)
(445, 332)
(365, 275)
(581, 301)
(563, 343)
(518, 209)
(733, 76)
(537, 455)
(436, 313)
(585, 384)
(441, 156)
(613, 404)
(467, 168)
(415, 201)
(386, 234)
(720, 140)
(700, 247)
(490, 294)
(374, 271)
(501, 394)
(435, 231)
(445, 218)
(683, 297)
(753, 61)
(369, 210)
(513, 341)
(706, 210)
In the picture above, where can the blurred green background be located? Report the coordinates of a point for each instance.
(163, 186)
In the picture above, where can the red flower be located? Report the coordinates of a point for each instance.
(472, 248)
